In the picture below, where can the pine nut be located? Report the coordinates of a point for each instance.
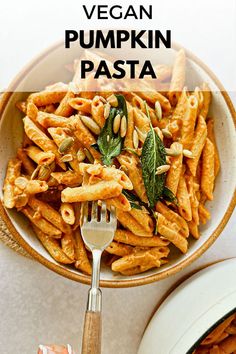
(142, 136)
(162, 169)
(123, 127)
(107, 108)
(90, 124)
(80, 155)
(172, 152)
(188, 153)
(159, 133)
(166, 133)
(158, 110)
(116, 123)
(135, 139)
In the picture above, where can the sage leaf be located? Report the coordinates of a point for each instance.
(169, 196)
(108, 143)
(153, 155)
(133, 200)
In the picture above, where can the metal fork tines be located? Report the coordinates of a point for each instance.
(98, 225)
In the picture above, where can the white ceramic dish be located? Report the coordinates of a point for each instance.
(191, 310)
(224, 195)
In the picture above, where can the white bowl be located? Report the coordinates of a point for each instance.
(47, 68)
(192, 311)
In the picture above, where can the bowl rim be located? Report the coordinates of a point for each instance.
(117, 283)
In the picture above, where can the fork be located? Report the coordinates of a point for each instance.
(98, 226)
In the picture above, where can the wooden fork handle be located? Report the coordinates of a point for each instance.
(92, 333)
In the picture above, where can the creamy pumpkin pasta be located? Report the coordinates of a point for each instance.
(152, 155)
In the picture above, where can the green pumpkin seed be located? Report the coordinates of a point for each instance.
(65, 145)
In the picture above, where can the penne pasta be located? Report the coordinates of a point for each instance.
(174, 173)
(130, 164)
(42, 224)
(85, 138)
(68, 245)
(189, 120)
(69, 178)
(64, 109)
(39, 156)
(13, 171)
(26, 162)
(192, 188)
(141, 258)
(129, 142)
(211, 136)
(206, 100)
(208, 169)
(173, 217)
(67, 213)
(178, 77)
(129, 238)
(82, 262)
(49, 213)
(141, 121)
(52, 246)
(45, 98)
(130, 223)
(143, 218)
(97, 111)
(41, 140)
(35, 187)
(48, 120)
(81, 104)
(167, 230)
(184, 204)
(32, 111)
(119, 249)
(120, 202)
(107, 174)
(97, 141)
(100, 190)
(199, 140)
(204, 214)
(151, 96)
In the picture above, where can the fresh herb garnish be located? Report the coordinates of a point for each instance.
(169, 196)
(110, 144)
(153, 156)
(134, 201)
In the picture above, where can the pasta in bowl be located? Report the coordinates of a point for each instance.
(151, 154)
(220, 340)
